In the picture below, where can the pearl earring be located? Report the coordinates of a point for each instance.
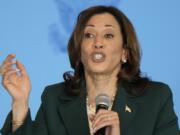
(124, 60)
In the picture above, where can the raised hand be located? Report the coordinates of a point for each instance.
(15, 79)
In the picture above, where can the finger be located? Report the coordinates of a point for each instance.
(101, 111)
(7, 78)
(102, 114)
(102, 125)
(105, 112)
(9, 73)
(9, 64)
(9, 58)
(113, 122)
(21, 67)
(105, 119)
(100, 118)
(91, 117)
(6, 67)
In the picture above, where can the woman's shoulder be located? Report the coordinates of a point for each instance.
(158, 87)
(56, 86)
(53, 91)
(156, 96)
(157, 90)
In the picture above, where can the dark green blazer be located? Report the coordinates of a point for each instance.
(60, 114)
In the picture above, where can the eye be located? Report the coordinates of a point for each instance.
(88, 35)
(109, 35)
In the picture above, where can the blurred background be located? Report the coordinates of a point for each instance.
(38, 31)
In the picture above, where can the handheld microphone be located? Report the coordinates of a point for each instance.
(102, 102)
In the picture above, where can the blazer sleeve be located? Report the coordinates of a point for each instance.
(29, 127)
(167, 121)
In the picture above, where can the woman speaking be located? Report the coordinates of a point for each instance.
(105, 95)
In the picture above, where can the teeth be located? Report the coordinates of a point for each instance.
(98, 56)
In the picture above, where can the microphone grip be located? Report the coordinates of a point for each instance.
(102, 130)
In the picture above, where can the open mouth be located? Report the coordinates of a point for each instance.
(98, 57)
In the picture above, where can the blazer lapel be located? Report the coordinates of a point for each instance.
(126, 108)
(74, 115)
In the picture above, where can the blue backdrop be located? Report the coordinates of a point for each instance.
(37, 31)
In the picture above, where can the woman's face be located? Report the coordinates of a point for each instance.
(102, 45)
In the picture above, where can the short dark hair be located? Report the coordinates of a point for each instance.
(130, 73)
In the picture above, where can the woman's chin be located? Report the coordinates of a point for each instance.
(98, 71)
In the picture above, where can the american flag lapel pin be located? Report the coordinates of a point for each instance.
(128, 109)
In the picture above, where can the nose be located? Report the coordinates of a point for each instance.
(98, 46)
(98, 43)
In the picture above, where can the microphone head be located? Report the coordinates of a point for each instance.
(102, 101)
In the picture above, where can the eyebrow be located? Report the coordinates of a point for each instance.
(106, 25)
(90, 25)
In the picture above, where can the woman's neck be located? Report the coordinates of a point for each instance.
(100, 83)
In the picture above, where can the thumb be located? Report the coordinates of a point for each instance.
(21, 67)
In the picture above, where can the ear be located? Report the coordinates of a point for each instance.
(124, 56)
